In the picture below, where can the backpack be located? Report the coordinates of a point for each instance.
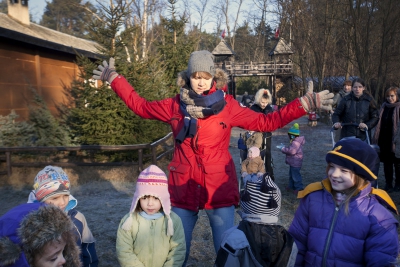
(259, 245)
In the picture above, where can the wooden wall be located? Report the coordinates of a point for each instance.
(24, 66)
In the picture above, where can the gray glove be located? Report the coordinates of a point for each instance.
(105, 72)
(322, 100)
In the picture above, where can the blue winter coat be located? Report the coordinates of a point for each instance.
(326, 236)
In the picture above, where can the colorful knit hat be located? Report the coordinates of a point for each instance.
(294, 130)
(201, 61)
(261, 201)
(255, 151)
(152, 181)
(355, 155)
(49, 182)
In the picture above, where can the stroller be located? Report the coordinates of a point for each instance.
(258, 240)
(375, 147)
(243, 151)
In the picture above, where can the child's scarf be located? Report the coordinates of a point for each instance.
(195, 107)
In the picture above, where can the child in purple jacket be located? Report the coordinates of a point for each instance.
(294, 158)
(342, 220)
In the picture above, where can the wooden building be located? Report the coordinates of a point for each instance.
(32, 56)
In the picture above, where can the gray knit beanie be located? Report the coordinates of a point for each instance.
(201, 61)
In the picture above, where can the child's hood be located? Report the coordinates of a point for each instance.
(381, 195)
(34, 225)
(72, 203)
(300, 139)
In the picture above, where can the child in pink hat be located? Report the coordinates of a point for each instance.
(151, 234)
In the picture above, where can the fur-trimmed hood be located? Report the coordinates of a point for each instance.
(25, 229)
(259, 95)
(221, 78)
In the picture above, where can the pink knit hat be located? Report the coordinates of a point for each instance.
(152, 181)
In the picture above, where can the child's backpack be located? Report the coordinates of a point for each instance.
(256, 245)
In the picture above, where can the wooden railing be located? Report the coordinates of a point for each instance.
(140, 147)
(256, 68)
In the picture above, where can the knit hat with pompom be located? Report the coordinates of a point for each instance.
(294, 130)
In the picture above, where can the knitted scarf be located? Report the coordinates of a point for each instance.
(195, 107)
(396, 118)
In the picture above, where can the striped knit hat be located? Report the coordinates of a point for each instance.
(152, 181)
(294, 130)
(261, 201)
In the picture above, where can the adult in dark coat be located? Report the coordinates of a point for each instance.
(389, 116)
(262, 104)
(358, 108)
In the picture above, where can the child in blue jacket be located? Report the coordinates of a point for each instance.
(52, 186)
(342, 220)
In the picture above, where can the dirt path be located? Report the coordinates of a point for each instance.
(105, 202)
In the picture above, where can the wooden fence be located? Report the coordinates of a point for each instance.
(8, 151)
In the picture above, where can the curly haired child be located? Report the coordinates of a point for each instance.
(37, 235)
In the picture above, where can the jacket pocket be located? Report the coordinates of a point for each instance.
(222, 187)
(210, 169)
(180, 175)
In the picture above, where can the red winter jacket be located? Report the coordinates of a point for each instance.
(202, 174)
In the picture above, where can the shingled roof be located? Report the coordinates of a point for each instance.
(223, 49)
(44, 37)
(281, 48)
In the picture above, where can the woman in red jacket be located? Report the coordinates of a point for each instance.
(202, 174)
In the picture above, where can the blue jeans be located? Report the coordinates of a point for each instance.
(295, 179)
(220, 219)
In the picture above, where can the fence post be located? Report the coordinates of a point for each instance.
(140, 152)
(8, 162)
(153, 155)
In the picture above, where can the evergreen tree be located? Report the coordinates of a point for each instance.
(3, 6)
(47, 131)
(175, 46)
(99, 116)
(15, 133)
(68, 16)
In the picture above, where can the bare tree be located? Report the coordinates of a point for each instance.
(224, 6)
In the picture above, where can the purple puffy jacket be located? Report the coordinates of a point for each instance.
(326, 236)
(294, 152)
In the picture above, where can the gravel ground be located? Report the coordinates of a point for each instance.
(107, 197)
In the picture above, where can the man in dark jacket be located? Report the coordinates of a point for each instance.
(357, 108)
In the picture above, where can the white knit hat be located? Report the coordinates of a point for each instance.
(152, 181)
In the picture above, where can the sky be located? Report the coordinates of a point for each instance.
(36, 8)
